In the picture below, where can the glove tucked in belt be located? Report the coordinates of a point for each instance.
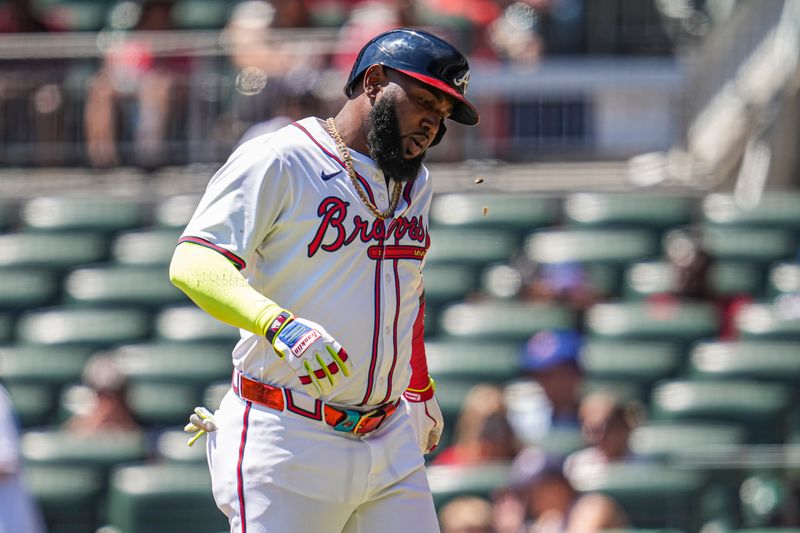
(344, 420)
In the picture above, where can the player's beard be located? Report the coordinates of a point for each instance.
(385, 143)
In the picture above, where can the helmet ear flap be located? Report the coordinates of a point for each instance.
(439, 134)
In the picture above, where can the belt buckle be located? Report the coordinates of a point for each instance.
(350, 422)
(369, 422)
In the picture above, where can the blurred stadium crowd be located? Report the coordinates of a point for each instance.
(149, 83)
(622, 360)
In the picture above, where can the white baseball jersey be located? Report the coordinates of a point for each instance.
(284, 210)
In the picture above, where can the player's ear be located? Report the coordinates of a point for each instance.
(374, 80)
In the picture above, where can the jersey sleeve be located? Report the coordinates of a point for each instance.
(242, 203)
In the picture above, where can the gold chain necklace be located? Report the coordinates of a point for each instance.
(348, 165)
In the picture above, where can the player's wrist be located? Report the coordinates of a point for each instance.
(279, 321)
(421, 394)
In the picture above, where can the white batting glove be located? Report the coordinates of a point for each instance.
(426, 416)
(200, 423)
(316, 358)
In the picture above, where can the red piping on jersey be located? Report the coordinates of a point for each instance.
(396, 251)
(237, 261)
(291, 406)
(239, 476)
(375, 332)
(364, 182)
(419, 362)
(394, 339)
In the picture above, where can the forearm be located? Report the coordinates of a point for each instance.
(421, 385)
(217, 287)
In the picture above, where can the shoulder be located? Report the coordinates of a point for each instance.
(293, 138)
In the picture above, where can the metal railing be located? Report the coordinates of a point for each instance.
(575, 108)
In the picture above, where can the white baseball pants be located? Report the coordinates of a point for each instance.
(279, 472)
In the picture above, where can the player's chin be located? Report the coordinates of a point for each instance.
(413, 148)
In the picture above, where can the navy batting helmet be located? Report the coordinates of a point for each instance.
(422, 56)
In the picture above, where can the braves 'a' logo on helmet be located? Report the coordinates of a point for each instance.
(463, 80)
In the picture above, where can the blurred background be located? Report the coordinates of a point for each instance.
(631, 216)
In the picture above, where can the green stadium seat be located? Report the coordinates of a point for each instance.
(625, 390)
(657, 277)
(6, 327)
(560, 441)
(729, 278)
(7, 215)
(760, 407)
(680, 322)
(783, 278)
(626, 209)
(670, 440)
(43, 365)
(503, 281)
(99, 451)
(145, 247)
(448, 283)
(775, 209)
(100, 213)
(512, 212)
(153, 404)
(190, 323)
(182, 363)
(476, 361)
(97, 327)
(652, 495)
(766, 360)
(24, 289)
(448, 482)
(80, 15)
(757, 245)
(127, 285)
(769, 530)
(171, 446)
(50, 251)
(69, 496)
(163, 499)
(642, 363)
(504, 320)
(200, 14)
(603, 279)
(468, 246)
(613, 246)
(214, 393)
(162, 404)
(34, 404)
(176, 211)
(764, 321)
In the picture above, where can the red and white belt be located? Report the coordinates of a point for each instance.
(281, 399)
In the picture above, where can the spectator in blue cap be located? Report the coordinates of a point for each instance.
(550, 358)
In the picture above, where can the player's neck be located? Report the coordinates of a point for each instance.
(350, 125)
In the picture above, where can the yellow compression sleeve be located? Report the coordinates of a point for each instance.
(217, 287)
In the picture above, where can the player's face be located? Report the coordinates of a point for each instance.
(385, 141)
(420, 112)
(402, 124)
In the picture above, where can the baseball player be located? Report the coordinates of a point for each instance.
(311, 240)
